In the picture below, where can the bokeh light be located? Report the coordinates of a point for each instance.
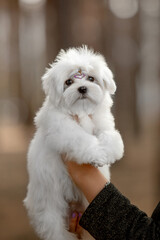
(124, 8)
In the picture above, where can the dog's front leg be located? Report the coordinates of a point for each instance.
(110, 140)
(112, 143)
(72, 139)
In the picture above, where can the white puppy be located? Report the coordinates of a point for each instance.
(79, 83)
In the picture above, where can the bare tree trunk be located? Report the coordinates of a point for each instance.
(32, 40)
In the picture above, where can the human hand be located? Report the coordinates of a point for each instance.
(87, 178)
(77, 172)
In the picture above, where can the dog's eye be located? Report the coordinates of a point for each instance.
(90, 78)
(68, 82)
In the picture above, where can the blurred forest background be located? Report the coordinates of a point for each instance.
(127, 33)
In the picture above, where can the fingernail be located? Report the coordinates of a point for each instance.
(73, 215)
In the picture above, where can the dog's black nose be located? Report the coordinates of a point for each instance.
(82, 89)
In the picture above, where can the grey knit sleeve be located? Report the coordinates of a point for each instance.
(111, 216)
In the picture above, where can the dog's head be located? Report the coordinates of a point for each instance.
(78, 80)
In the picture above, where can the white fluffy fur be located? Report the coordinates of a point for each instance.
(94, 140)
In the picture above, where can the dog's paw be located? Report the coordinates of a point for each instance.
(101, 160)
(112, 144)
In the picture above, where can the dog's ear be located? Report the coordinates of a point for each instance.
(47, 80)
(109, 83)
(49, 85)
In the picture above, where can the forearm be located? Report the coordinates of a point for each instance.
(88, 178)
(111, 216)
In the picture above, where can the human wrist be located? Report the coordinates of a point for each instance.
(86, 173)
(87, 178)
(90, 181)
(80, 172)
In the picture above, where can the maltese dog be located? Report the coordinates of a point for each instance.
(78, 84)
